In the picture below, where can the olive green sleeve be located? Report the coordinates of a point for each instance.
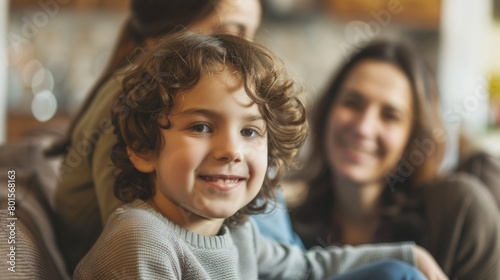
(103, 170)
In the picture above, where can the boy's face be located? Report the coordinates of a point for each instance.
(214, 159)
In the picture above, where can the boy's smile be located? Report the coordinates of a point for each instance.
(214, 158)
(222, 182)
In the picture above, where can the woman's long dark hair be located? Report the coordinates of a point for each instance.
(401, 193)
(148, 19)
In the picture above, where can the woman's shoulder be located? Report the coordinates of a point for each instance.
(108, 91)
(456, 185)
(95, 125)
(459, 194)
(462, 228)
(98, 114)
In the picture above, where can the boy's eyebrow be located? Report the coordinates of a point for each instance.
(214, 115)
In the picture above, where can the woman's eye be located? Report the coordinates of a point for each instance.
(351, 104)
(201, 128)
(248, 132)
(392, 118)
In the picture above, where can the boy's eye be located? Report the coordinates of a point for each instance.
(201, 128)
(249, 132)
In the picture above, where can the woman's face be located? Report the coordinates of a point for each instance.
(236, 17)
(369, 123)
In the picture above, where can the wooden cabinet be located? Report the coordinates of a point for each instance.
(72, 4)
(414, 13)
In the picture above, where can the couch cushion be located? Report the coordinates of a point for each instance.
(36, 253)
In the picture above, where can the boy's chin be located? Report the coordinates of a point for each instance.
(217, 214)
(223, 214)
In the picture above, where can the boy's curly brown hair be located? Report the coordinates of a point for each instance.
(175, 64)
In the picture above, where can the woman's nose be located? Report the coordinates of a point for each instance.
(365, 124)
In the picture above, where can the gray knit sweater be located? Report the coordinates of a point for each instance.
(139, 243)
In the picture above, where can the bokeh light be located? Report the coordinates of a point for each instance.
(44, 106)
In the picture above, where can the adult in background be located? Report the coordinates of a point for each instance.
(377, 145)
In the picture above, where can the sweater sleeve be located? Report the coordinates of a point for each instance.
(103, 169)
(466, 225)
(103, 173)
(280, 261)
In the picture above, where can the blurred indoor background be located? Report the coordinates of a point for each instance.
(54, 50)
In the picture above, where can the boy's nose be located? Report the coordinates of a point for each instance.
(228, 149)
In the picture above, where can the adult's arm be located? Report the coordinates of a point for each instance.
(486, 168)
(103, 170)
(464, 228)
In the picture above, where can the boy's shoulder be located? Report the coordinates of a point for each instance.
(137, 212)
(133, 210)
(136, 243)
(138, 223)
(137, 229)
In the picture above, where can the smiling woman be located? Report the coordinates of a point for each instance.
(369, 124)
(374, 168)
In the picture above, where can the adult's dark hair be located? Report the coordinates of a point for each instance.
(148, 19)
(423, 152)
(176, 64)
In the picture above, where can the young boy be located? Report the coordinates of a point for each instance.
(200, 122)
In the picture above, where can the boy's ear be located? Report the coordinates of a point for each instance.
(140, 163)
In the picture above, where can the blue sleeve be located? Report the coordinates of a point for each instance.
(275, 223)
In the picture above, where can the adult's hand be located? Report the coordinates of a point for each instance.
(427, 265)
